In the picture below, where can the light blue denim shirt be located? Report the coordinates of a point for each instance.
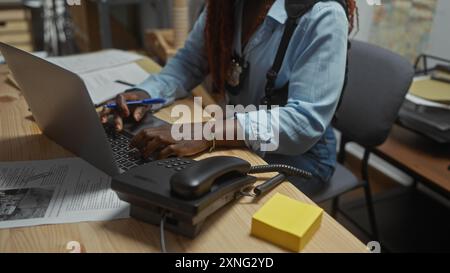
(314, 67)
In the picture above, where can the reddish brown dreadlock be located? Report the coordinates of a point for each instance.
(219, 33)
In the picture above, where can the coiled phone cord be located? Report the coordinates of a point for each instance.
(284, 170)
(281, 168)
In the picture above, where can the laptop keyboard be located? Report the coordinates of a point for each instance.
(126, 157)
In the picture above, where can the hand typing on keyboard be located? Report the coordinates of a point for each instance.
(126, 157)
(159, 141)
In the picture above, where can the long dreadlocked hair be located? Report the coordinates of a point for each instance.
(219, 36)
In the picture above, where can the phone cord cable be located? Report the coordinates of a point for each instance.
(281, 168)
(284, 170)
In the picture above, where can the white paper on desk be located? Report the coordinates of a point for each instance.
(54, 192)
(89, 62)
(423, 102)
(102, 85)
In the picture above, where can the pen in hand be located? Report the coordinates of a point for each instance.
(137, 103)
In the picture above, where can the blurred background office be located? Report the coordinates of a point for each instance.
(407, 27)
(416, 155)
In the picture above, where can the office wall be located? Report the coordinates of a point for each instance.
(439, 38)
(157, 15)
(439, 45)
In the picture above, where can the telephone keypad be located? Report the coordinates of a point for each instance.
(176, 164)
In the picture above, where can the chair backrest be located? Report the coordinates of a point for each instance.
(378, 81)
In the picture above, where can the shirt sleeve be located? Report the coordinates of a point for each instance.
(315, 86)
(184, 71)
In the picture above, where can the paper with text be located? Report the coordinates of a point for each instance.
(102, 84)
(85, 63)
(56, 191)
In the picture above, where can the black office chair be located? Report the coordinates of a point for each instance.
(378, 82)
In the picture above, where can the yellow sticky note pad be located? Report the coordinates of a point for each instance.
(286, 222)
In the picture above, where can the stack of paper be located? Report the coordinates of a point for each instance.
(100, 72)
(431, 90)
(427, 109)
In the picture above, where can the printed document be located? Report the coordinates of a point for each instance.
(56, 191)
(85, 63)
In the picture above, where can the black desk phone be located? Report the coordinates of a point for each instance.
(186, 192)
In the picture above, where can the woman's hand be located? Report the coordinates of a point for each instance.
(123, 111)
(160, 140)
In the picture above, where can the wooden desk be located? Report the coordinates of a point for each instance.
(404, 213)
(427, 161)
(227, 231)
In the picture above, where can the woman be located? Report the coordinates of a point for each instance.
(249, 32)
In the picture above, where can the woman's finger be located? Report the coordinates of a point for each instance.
(140, 140)
(139, 113)
(118, 122)
(151, 147)
(104, 114)
(122, 105)
(167, 152)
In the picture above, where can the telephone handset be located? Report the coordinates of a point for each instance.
(199, 179)
(186, 192)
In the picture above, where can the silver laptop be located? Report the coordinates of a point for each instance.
(63, 110)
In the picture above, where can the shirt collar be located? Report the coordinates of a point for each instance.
(278, 12)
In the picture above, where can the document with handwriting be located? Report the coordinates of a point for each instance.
(56, 191)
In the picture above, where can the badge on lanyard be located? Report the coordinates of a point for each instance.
(236, 74)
